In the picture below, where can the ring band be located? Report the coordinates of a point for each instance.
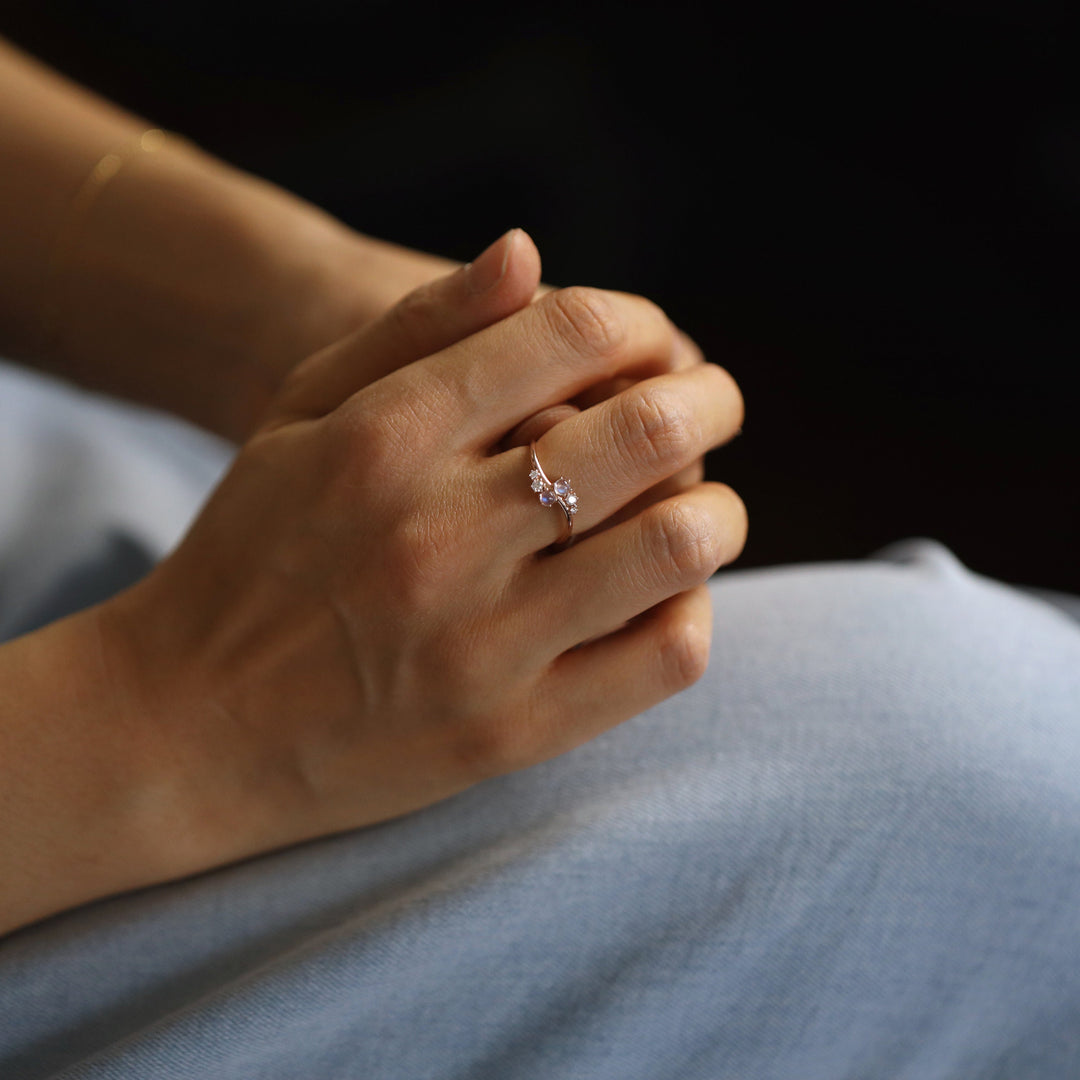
(558, 493)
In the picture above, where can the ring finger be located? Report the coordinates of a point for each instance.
(616, 450)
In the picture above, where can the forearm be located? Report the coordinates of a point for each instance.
(186, 283)
(84, 807)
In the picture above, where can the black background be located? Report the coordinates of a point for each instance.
(869, 213)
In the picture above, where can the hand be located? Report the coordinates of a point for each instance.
(500, 281)
(83, 787)
(366, 618)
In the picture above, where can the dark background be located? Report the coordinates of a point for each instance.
(869, 213)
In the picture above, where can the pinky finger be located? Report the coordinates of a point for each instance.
(616, 677)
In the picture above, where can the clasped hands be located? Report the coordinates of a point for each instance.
(366, 619)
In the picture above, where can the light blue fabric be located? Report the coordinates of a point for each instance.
(851, 851)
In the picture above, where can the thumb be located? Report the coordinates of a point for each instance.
(498, 282)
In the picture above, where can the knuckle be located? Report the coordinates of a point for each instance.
(411, 318)
(683, 654)
(419, 566)
(738, 522)
(651, 311)
(689, 352)
(658, 427)
(486, 746)
(587, 319)
(382, 428)
(687, 547)
(294, 387)
(734, 393)
(362, 435)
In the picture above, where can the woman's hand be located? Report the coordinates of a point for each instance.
(366, 617)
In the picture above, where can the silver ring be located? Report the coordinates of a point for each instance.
(558, 493)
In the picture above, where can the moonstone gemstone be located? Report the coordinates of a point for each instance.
(547, 497)
(562, 486)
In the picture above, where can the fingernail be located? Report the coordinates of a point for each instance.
(488, 268)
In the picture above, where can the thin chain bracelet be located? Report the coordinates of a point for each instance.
(108, 165)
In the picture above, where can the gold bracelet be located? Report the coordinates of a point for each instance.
(78, 210)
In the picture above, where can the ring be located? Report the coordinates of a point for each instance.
(559, 494)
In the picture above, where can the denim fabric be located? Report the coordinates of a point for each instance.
(851, 851)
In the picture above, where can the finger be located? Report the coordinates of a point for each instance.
(689, 350)
(439, 313)
(612, 453)
(589, 690)
(622, 447)
(685, 355)
(682, 481)
(539, 425)
(482, 388)
(598, 584)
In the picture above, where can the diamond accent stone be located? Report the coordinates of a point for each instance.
(559, 493)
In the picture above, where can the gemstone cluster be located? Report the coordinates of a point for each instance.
(560, 493)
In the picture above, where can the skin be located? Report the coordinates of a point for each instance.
(366, 618)
(187, 284)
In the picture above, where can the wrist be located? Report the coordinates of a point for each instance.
(215, 789)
